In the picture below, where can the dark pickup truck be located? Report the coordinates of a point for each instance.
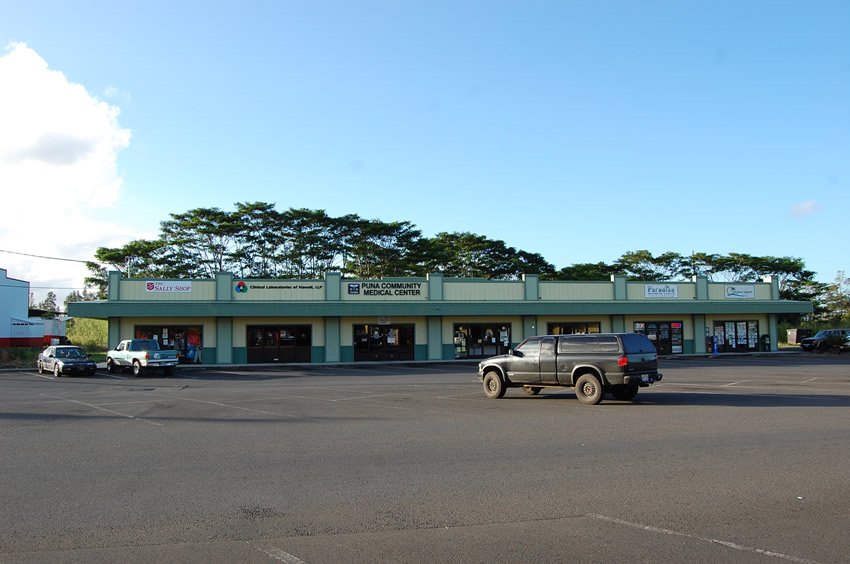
(593, 364)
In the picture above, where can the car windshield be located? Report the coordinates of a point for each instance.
(822, 334)
(74, 353)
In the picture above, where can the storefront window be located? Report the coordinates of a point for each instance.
(279, 343)
(562, 328)
(187, 340)
(384, 342)
(480, 340)
(737, 336)
(667, 336)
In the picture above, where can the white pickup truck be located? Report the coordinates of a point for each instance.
(139, 354)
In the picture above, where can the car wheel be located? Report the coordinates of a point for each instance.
(137, 368)
(531, 390)
(588, 389)
(624, 392)
(494, 388)
(56, 371)
(40, 367)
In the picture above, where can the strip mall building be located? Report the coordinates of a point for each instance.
(226, 320)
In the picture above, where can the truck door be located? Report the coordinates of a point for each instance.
(524, 367)
(548, 364)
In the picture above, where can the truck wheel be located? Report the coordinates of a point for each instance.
(137, 368)
(110, 365)
(531, 390)
(56, 371)
(588, 389)
(494, 388)
(624, 392)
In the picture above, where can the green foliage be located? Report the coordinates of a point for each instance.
(90, 334)
(18, 357)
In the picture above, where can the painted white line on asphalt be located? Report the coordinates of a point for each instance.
(219, 404)
(734, 383)
(809, 380)
(727, 544)
(92, 406)
(45, 377)
(280, 555)
(117, 377)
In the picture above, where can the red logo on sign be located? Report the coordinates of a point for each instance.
(151, 285)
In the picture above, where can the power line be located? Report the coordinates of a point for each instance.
(45, 257)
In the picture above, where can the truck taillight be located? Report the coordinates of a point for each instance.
(148, 356)
(623, 361)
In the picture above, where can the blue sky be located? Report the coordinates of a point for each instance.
(578, 130)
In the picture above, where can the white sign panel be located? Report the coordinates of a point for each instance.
(740, 292)
(661, 291)
(168, 287)
(384, 290)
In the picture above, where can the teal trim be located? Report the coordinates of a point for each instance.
(620, 287)
(773, 331)
(223, 286)
(420, 352)
(333, 286)
(104, 310)
(435, 337)
(701, 287)
(240, 355)
(532, 287)
(688, 346)
(224, 339)
(317, 354)
(113, 332)
(618, 324)
(346, 354)
(530, 328)
(332, 340)
(699, 334)
(448, 351)
(435, 287)
(113, 291)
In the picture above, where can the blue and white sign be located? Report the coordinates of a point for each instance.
(740, 292)
(664, 291)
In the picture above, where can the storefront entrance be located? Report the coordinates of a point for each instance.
(562, 328)
(384, 342)
(187, 340)
(667, 336)
(279, 343)
(480, 340)
(736, 336)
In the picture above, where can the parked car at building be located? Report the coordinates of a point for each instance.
(138, 354)
(827, 339)
(594, 364)
(65, 360)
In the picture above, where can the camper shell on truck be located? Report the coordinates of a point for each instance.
(593, 364)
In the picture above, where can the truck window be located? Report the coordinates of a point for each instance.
(576, 343)
(529, 349)
(607, 343)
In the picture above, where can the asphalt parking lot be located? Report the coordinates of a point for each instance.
(726, 460)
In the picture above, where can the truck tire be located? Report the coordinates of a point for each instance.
(494, 388)
(588, 389)
(110, 365)
(137, 368)
(624, 392)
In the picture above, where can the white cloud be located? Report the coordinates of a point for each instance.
(59, 148)
(803, 209)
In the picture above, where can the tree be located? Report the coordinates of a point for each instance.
(586, 271)
(48, 305)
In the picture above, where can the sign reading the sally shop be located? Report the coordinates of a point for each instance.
(168, 287)
(660, 291)
(740, 291)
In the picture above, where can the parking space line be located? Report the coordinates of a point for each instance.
(279, 554)
(727, 544)
(92, 406)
